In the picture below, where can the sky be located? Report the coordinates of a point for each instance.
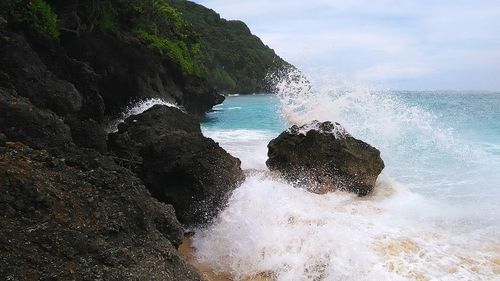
(390, 44)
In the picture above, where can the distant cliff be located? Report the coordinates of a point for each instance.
(234, 59)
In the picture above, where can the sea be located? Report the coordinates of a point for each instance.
(434, 214)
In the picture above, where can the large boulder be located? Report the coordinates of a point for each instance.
(324, 157)
(139, 131)
(88, 134)
(191, 172)
(79, 216)
(177, 163)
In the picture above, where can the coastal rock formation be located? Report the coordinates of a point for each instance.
(191, 172)
(74, 209)
(129, 70)
(140, 131)
(22, 121)
(79, 216)
(31, 78)
(326, 158)
(178, 164)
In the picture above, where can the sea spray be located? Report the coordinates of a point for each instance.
(433, 215)
(135, 109)
(271, 227)
(250, 146)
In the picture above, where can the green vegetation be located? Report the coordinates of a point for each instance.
(178, 51)
(154, 22)
(224, 52)
(36, 13)
(237, 60)
(162, 28)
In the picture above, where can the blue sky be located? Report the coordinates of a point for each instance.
(398, 44)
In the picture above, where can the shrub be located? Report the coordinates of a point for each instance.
(37, 13)
(186, 56)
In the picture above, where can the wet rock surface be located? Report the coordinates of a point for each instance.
(326, 158)
(193, 173)
(140, 131)
(177, 163)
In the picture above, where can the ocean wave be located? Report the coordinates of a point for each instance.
(271, 227)
(137, 108)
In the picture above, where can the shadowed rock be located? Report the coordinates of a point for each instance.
(324, 157)
(21, 121)
(177, 163)
(79, 216)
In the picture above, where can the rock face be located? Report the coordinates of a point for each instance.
(22, 121)
(326, 158)
(129, 70)
(140, 131)
(70, 209)
(178, 164)
(79, 216)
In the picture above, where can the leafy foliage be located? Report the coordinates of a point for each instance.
(224, 52)
(237, 60)
(186, 56)
(154, 22)
(36, 13)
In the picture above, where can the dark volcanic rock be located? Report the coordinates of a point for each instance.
(3, 139)
(139, 131)
(325, 157)
(64, 221)
(129, 70)
(179, 165)
(21, 121)
(198, 97)
(31, 78)
(191, 172)
(88, 134)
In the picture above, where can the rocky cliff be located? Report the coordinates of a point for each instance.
(72, 208)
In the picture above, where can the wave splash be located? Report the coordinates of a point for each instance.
(287, 233)
(137, 108)
(378, 117)
(407, 230)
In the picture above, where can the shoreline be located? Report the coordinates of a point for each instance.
(186, 251)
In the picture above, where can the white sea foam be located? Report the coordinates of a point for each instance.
(270, 227)
(395, 234)
(336, 129)
(137, 108)
(250, 146)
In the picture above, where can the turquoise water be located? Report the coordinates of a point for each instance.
(435, 214)
(251, 112)
(456, 152)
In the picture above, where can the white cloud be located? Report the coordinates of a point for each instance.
(391, 71)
